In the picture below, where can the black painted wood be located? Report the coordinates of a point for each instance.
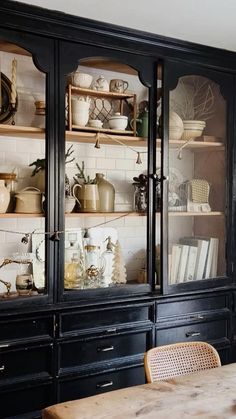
(57, 345)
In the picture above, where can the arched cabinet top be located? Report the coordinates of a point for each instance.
(174, 70)
(72, 55)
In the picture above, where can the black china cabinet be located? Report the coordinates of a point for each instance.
(117, 216)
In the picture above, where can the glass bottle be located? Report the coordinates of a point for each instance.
(74, 273)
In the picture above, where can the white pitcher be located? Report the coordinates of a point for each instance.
(4, 197)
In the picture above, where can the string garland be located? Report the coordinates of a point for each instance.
(118, 141)
(55, 235)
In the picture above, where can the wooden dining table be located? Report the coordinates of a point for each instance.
(209, 394)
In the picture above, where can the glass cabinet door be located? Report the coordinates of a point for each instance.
(196, 186)
(106, 175)
(23, 172)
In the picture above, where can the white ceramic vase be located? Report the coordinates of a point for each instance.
(4, 197)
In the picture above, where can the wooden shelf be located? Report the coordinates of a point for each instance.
(103, 130)
(102, 94)
(20, 131)
(106, 214)
(195, 214)
(89, 137)
(195, 145)
(117, 214)
(18, 215)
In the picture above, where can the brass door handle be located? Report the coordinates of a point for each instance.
(192, 334)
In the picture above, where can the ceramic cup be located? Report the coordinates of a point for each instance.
(118, 86)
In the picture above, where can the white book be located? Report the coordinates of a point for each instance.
(176, 252)
(207, 273)
(169, 266)
(182, 263)
(191, 263)
(202, 246)
(213, 271)
(212, 256)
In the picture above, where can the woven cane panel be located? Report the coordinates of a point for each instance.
(170, 361)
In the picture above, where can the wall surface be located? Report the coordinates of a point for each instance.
(209, 22)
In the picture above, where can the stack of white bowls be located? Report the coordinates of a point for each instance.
(193, 129)
(80, 111)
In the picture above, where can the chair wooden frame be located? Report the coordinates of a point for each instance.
(169, 361)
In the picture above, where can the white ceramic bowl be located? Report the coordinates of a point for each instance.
(82, 80)
(118, 122)
(192, 129)
(95, 123)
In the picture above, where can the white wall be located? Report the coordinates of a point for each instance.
(208, 22)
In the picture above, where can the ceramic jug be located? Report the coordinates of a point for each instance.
(106, 193)
(142, 124)
(101, 84)
(87, 197)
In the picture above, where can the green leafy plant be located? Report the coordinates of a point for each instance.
(40, 164)
(80, 176)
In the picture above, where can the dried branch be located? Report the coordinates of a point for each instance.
(194, 98)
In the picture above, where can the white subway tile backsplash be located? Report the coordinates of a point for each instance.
(123, 164)
(105, 164)
(7, 144)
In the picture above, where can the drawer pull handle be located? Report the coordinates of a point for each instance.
(4, 345)
(2, 368)
(105, 384)
(111, 330)
(105, 349)
(192, 334)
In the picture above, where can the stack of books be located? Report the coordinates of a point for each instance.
(193, 258)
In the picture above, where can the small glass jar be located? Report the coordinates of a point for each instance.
(140, 198)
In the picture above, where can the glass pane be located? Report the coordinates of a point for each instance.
(106, 182)
(22, 177)
(197, 138)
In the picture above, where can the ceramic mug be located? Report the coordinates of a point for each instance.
(118, 86)
(88, 197)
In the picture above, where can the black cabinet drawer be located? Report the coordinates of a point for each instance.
(25, 363)
(21, 401)
(216, 330)
(26, 329)
(106, 319)
(81, 352)
(96, 384)
(188, 306)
